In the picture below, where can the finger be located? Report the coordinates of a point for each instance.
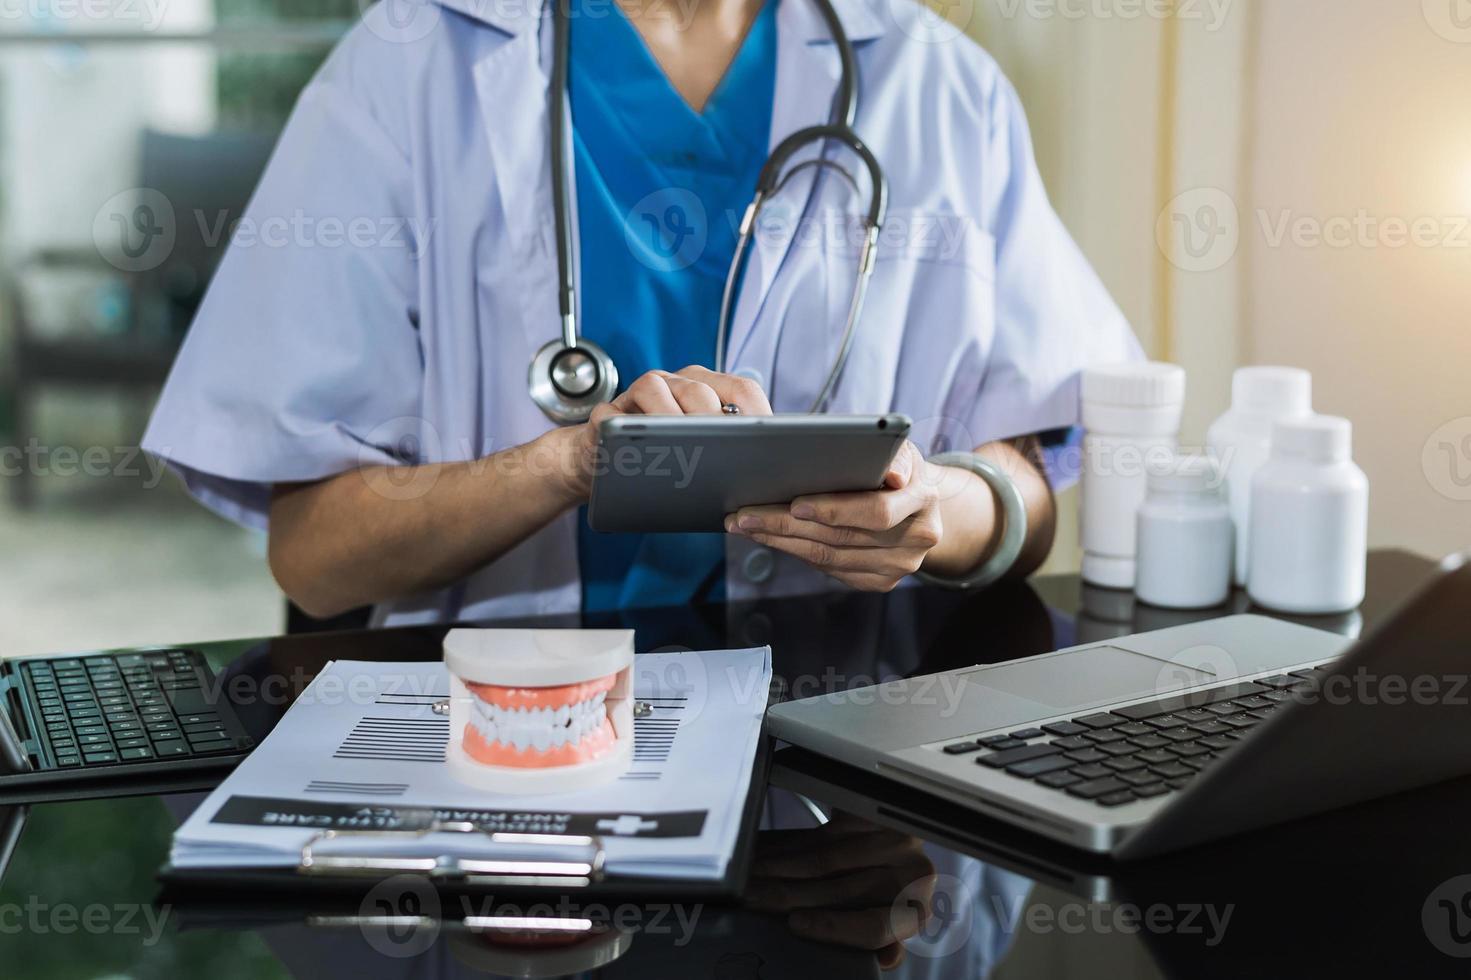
(825, 556)
(778, 520)
(863, 928)
(903, 467)
(649, 395)
(871, 510)
(742, 392)
(695, 397)
(890, 956)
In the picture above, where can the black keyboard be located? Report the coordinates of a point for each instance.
(1140, 751)
(128, 708)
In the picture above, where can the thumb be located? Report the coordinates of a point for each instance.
(901, 470)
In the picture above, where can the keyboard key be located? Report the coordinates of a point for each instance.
(1241, 721)
(133, 755)
(1216, 742)
(1134, 728)
(1278, 681)
(1252, 702)
(1165, 722)
(1039, 767)
(91, 730)
(1179, 783)
(1155, 756)
(1101, 720)
(1188, 749)
(94, 739)
(212, 726)
(173, 746)
(1221, 710)
(1139, 777)
(1125, 764)
(1148, 741)
(119, 727)
(1190, 699)
(1091, 771)
(1180, 735)
(1072, 742)
(1192, 715)
(212, 745)
(1000, 760)
(1171, 770)
(209, 716)
(1094, 788)
(1025, 734)
(1151, 790)
(961, 748)
(1064, 728)
(1104, 736)
(1213, 727)
(67, 761)
(99, 758)
(1198, 763)
(1058, 780)
(1006, 743)
(1116, 799)
(1087, 755)
(132, 743)
(1117, 749)
(991, 740)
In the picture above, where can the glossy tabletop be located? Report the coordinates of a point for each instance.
(1379, 889)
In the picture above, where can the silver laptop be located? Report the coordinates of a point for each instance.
(1150, 743)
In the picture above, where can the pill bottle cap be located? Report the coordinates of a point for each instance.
(1145, 385)
(1318, 438)
(1187, 474)
(1141, 399)
(1277, 391)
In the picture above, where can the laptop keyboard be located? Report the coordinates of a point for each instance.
(1139, 751)
(115, 709)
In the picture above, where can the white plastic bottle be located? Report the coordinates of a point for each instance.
(1186, 538)
(1131, 414)
(1241, 439)
(1309, 520)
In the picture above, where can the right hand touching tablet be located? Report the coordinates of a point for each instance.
(693, 390)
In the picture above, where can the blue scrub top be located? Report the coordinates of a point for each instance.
(660, 192)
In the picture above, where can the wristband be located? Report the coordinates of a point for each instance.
(1014, 524)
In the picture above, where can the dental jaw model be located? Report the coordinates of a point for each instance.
(539, 711)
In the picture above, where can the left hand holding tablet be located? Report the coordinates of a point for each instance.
(869, 540)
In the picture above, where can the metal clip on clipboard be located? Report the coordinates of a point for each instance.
(582, 866)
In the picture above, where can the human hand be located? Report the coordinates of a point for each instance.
(869, 540)
(838, 884)
(693, 390)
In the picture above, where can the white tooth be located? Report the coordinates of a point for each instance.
(600, 698)
(563, 713)
(519, 737)
(541, 739)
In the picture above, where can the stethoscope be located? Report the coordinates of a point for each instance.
(571, 375)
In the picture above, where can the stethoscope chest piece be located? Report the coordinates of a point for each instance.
(567, 383)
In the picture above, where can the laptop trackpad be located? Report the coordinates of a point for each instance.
(1082, 678)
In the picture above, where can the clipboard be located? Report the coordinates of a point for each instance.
(577, 875)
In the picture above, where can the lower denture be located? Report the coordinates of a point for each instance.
(540, 710)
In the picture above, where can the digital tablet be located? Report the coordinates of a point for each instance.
(687, 472)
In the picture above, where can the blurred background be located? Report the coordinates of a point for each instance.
(1256, 182)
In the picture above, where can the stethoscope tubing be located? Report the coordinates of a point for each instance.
(838, 129)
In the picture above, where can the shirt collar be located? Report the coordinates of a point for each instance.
(859, 17)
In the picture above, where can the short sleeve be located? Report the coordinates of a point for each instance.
(305, 348)
(1053, 316)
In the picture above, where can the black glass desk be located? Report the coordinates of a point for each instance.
(1379, 889)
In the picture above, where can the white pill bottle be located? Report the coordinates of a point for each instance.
(1131, 414)
(1186, 538)
(1309, 520)
(1241, 439)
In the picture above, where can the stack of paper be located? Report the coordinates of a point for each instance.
(362, 749)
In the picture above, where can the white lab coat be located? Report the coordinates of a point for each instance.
(395, 271)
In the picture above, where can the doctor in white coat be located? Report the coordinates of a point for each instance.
(356, 379)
